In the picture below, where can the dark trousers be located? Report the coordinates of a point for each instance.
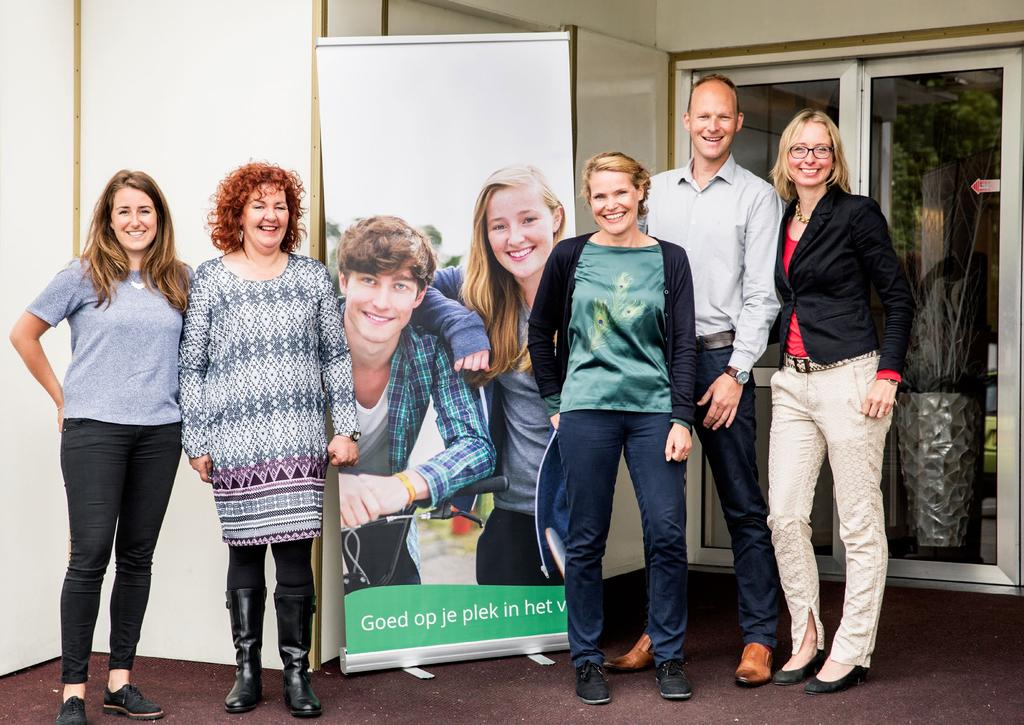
(118, 481)
(733, 459)
(292, 562)
(507, 551)
(591, 443)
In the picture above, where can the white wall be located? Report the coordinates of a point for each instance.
(407, 17)
(688, 25)
(633, 21)
(676, 25)
(353, 17)
(187, 91)
(36, 136)
(621, 105)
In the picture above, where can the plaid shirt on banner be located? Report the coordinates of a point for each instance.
(421, 370)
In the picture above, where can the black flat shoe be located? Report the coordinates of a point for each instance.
(854, 677)
(795, 677)
(131, 703)
(72, 712)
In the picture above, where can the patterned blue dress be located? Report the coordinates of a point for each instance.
(255, 361)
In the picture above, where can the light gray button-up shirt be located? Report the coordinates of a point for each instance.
(730, 233)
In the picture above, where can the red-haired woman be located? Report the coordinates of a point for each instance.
(263, 338)
(120, 424)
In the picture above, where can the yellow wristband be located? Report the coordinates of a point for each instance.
(408, 487)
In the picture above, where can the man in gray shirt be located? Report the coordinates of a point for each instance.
(727, 219)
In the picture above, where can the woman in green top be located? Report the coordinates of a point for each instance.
(620, 374)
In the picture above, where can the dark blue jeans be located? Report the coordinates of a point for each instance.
(591, 443)
(731, 454)
(118, 481)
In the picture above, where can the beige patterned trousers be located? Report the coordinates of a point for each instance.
(814, 413)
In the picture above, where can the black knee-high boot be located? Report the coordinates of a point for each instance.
(247, 607)
(294, 635)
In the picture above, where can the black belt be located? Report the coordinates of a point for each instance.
(715, 340)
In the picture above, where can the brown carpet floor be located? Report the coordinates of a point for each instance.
(941, 657)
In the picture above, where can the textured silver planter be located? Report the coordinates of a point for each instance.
(939, 451)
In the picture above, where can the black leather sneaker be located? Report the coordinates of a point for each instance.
(130, 702)
(672, 682)
(72, 712)
(591, 685)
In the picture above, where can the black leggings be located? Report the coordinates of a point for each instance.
(118, 481)
(292, 560)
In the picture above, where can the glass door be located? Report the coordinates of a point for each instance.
(937, 141)
(769, 98)
(941, 143)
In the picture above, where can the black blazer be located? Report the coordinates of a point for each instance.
(552, 310)
(845, 249)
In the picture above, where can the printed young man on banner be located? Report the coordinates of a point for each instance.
(727, 219)
(384, 269)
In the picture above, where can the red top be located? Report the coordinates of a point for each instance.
(795, 341)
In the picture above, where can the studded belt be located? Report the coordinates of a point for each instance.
(806, 365)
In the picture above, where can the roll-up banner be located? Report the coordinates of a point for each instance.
(412, 127)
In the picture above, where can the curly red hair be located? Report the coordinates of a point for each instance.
(225, 219)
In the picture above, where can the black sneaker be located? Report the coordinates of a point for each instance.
(72, 712)
(130, 702)
(672, 682)
(591, 685)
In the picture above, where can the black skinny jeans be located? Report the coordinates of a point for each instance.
(118, 481)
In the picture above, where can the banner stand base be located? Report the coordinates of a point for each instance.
(418, 673)
(541, 660)
(413, 657)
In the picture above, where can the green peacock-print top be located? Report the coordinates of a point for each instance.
(617, 332)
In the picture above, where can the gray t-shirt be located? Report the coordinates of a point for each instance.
(124, 356)
(527, 430)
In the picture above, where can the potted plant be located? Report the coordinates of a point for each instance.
(939, 425)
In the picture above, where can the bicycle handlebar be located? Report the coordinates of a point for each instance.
(444, 508)
(493, 484)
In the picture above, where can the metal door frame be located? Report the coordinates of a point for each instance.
(855, 77)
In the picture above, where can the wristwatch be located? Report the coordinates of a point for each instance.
(354, 435)
(740, 376)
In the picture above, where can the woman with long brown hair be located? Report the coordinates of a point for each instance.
(120, 424)
(517, 221)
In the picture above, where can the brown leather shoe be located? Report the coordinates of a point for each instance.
(639, 658)
(755, 666)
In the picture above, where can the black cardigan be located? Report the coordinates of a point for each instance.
(844, 250)
(552, 311)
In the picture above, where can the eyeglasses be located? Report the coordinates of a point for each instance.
(800, 152)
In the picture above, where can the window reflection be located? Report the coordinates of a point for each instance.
(935, 147)
(767, 109)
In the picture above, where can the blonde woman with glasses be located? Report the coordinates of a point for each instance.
(833, 393)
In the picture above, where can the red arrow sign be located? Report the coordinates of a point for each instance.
(985, 186)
